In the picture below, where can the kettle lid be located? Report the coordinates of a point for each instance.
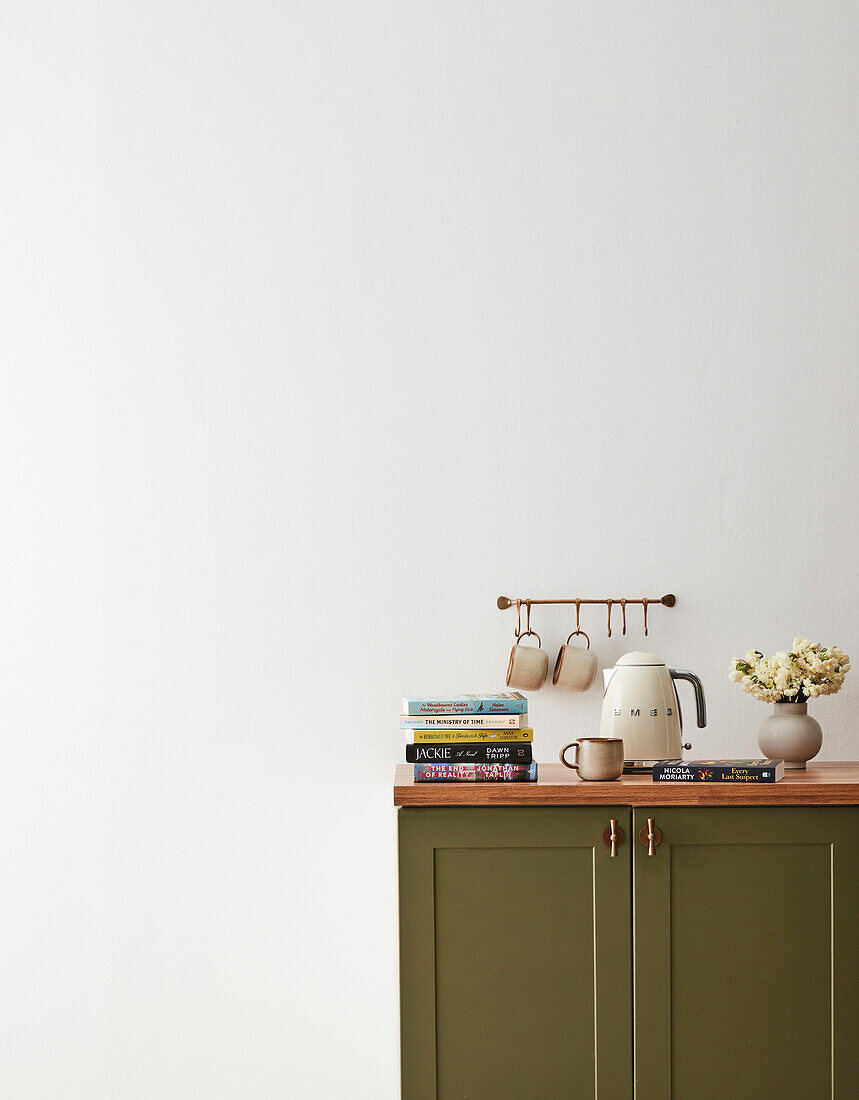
(638, 657)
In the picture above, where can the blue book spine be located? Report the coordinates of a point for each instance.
(507, 702)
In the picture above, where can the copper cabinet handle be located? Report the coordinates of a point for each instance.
(650, 836)
(613, 835)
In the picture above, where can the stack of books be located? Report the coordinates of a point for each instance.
(469, 738)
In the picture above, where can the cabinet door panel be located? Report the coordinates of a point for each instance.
(745, 956)
(509, 918)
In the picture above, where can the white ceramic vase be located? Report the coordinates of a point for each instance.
(790, 734)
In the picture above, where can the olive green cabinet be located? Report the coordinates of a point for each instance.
(746, 953)
(515, 954)
(536, 964)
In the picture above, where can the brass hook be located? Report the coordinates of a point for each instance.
(623, 609)
(645, 602)
(609, 602)
(578, 609)
(524, 633)
(518, 618)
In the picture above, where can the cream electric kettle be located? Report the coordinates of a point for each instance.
(641, 706)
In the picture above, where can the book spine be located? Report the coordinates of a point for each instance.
(464, 721)
(460, 736)
(475, 773)
(671, 773)
(468, 754)
(509, 705)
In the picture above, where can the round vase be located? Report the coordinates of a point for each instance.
(790, 734)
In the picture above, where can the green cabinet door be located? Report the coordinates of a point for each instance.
(746, 953)
(515, 954)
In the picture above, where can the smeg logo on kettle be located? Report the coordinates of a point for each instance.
(635, 712)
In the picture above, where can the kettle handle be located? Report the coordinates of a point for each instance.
(700, 703)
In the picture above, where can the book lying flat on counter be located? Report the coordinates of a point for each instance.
(479, 736)
(503, 702)
(466, 721)
(475, 773)
(718, 771)
(468, 753)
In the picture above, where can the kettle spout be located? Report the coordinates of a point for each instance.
(607, 674)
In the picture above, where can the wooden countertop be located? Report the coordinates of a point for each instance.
(818, 785)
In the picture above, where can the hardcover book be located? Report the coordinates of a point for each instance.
(475, 773)
(468, 753)
(463, 721)
(505, 702)
(719, 771)
(458, 736)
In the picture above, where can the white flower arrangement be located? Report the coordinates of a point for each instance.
(807, 671)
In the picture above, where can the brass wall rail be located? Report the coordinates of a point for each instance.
(668, 600)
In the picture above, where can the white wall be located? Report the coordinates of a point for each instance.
(323, 325)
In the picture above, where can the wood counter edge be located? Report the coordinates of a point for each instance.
(824, 784)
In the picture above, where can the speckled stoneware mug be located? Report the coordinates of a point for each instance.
(528, 665)
(597, 758)
(575, 668)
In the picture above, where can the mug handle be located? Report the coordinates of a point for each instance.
(563, 757)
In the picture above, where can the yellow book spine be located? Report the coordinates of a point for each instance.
(475, 736)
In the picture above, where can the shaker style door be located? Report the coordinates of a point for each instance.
(515, 969)
(746, 954)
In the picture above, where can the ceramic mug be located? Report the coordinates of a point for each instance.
(528, 667)
(575, 668)
(597, 758)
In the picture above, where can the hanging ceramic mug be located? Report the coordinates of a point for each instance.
(575, 668)
(528, 667)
